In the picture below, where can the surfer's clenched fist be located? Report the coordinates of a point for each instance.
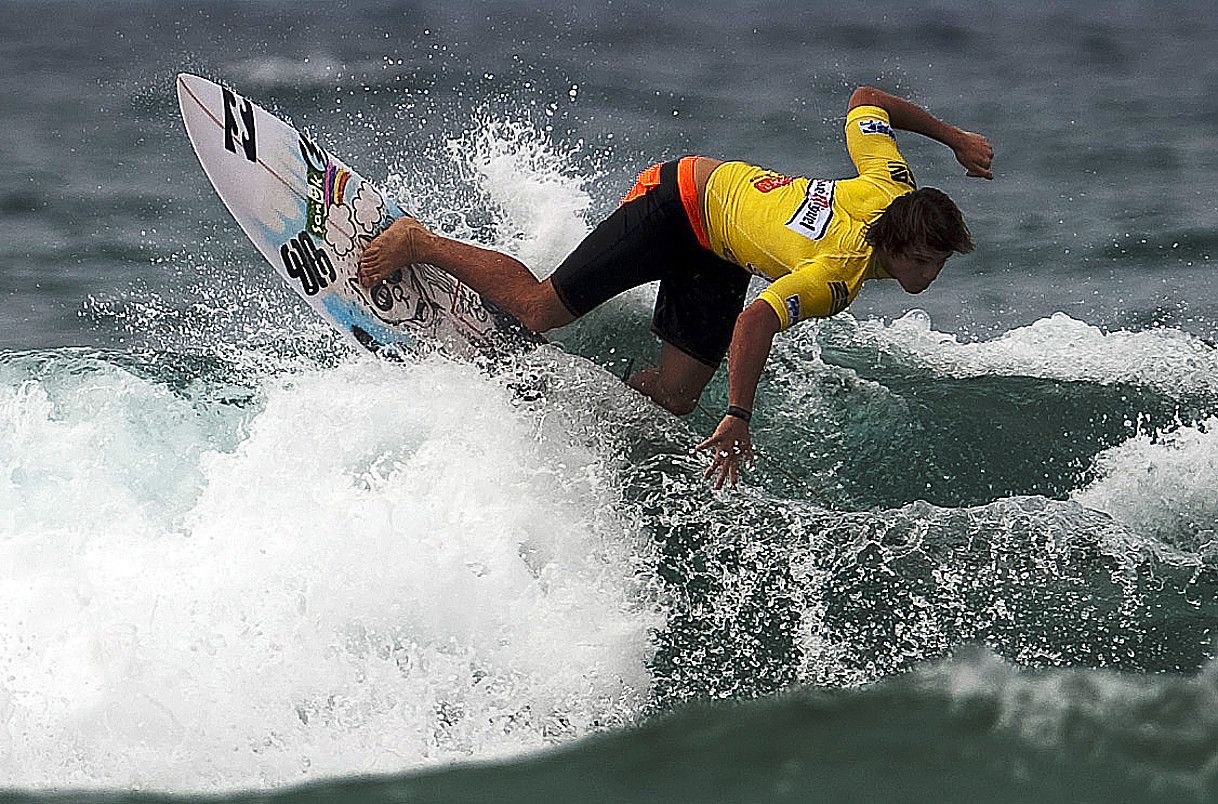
(403, 243)
(975, 153)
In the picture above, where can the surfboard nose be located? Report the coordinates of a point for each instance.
(183, 83)
(191, 84)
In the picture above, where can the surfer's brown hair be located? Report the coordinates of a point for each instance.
(925, 217)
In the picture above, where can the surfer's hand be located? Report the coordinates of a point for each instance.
(975, 153)
(731, 445)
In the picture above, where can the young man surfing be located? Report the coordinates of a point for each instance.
(701, 226)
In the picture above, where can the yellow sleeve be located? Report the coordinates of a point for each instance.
(810, 291)
(873, 148)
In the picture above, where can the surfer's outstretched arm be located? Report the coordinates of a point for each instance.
(751, 341)
(972, 150)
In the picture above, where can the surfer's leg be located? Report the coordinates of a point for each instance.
(675, 384)
(696, 311)
(503, 279)
(636, 244)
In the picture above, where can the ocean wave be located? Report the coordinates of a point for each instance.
(767, 590)
(1059, 347)
(1043, 582)
(351, 568)
(968, 728)
(854, 424)
(1161, 483)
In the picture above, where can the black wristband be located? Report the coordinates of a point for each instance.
(739, 413)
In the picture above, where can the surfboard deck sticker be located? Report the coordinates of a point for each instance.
(311, 216)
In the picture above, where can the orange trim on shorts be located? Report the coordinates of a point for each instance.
(687, 186)
(647, 179)
(689, 197)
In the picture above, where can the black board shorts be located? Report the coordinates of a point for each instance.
(648, 238)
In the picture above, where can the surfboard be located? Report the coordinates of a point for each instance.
(311, 216)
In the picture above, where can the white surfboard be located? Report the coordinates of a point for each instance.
(311, 216)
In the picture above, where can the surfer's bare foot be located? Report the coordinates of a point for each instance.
(402, 244)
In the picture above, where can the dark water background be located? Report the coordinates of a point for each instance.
(977, 560)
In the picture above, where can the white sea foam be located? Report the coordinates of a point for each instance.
(1058, 347)
(541, 196)
(1161, 484)
(367, 568)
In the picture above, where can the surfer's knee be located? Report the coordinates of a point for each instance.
(680, 406)
(676, 404)
(542, 310)
(650, 383)
(532, 316)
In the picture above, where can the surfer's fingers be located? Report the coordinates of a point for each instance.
(729, 470)
(718, 468)
(724, 465)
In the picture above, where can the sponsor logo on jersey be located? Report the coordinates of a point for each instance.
(767, 183)
(875, 127)
(812, 218)
(901, 173)
(839, 297)
(792, 303)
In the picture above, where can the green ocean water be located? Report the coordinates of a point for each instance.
(972, 728)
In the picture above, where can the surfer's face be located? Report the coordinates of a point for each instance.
(916, 267)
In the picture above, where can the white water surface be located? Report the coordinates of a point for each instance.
(366, 568)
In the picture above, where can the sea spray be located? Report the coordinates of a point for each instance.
(368, 567)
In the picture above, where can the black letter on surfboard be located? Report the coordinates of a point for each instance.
(248, 143)
(307, 263)
(314, 156)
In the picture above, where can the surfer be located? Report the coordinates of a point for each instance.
(701, 226)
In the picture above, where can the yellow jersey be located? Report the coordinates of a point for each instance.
(807, 235)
